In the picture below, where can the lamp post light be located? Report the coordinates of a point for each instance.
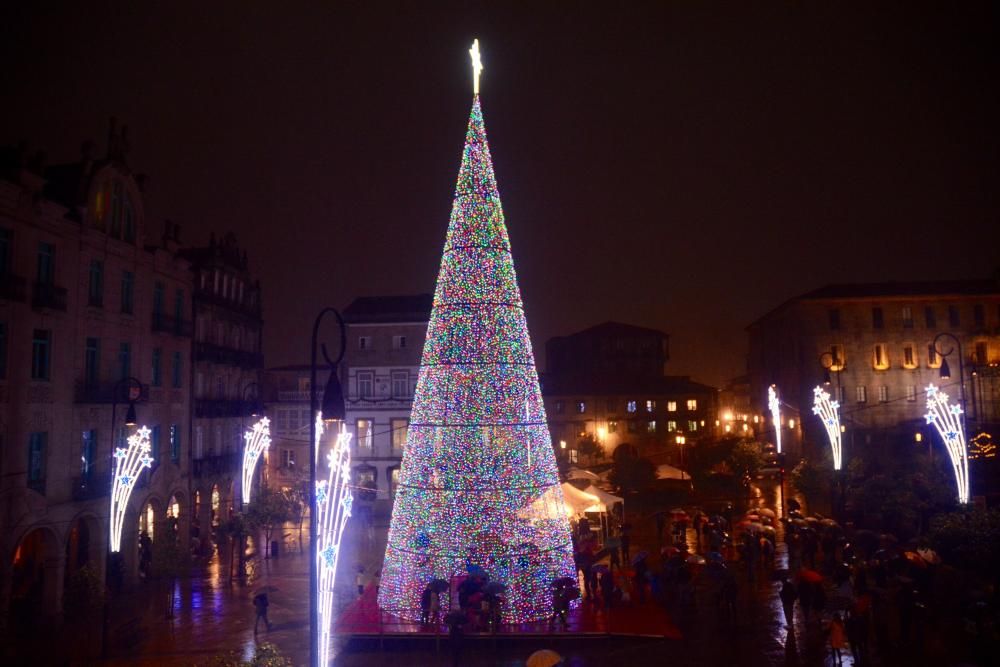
(680, 446)
(945, 372)
(333, 408)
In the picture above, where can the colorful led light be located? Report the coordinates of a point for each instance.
(256, 440)
(947, 419)
(478, 483)
(775, 407)
(829, 412)
(129, 462)
(333, 509)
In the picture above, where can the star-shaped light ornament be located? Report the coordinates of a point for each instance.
(829, 412)
(947, 420)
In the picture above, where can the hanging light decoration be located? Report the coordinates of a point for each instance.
(829, 412)
(256, 440)
(129, 462)
(946, 417)
(333, 508)
(775, 407)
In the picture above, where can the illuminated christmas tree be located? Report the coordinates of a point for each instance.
(478, 485)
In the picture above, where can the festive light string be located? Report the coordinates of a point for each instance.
(129, 462)
(256, 440)
(775, 406)
(478, 481)
(333, 509)
(947, 419)
(829, 412)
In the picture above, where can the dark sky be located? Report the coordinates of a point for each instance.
(685, 166)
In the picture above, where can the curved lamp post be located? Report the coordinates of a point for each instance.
(945, 372)
(333, 408)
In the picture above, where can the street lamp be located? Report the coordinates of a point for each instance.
(945, 372)
(333, 408)
(680, 446)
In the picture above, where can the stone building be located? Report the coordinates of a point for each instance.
(875, 345)
(608, 382)
(88, 299)
(228, 373)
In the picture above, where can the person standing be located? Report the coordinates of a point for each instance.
(838, 640)
(625, 542)
(788, 595)
(260, 603)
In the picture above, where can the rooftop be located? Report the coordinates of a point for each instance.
(597, 385)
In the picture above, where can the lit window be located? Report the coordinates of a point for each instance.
(883, 394)
(671, 406)
(630, 406)
(880, 357)
(862, 393)
(671, 425)
(933, 360)
(581, 407)
(909, 355)
(364, 435)
(612, 427)
(364, 342)
(692, 425)
(651, 426)
(692, 404)
(574, 456)
(287, 458)
(399, 428)
(650, 406)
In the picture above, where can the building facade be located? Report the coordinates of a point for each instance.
(873, 346)
(94, 313)
(607, 382)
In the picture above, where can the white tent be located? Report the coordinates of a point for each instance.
(578, 473)
(666, 471)
(609, 500)
(579, 502)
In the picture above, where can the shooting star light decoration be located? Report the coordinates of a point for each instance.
(775, 407)
(829, 412)
(947, 419)
(256, 440)
(129, 462)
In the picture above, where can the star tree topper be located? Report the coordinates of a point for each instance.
(477, 65)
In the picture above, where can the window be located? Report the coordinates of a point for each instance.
(46, 264)
(633, 427)
(651, 426)
(366, 384)
(930, 317)
(399, 428)
(880, 357)
(400, 384)
(175, 443)
(129, 221)
(364, 342)
(612, 405)
(862, 393)
(41, 354)
(3, 350)
(650, 406)
(933, 360)
(128, 292)
(179, 310)
(124, 360)
(364, 428)
(36, 460)
(877, 319)
(671, 425)
(671, 406)
(287, 458)
(399, 342)
(574, 456)
(393, 481)
(199, 442)
(157, 367)
(883, 394)
(154, 443)
(91, 362)
(841, 394)
(837, 360)
(979, 315)
(982, 356)
(612, 427)
(6, 242)
(559, 406)
(692, 425)
(834, 314)
(909, 355)
(911, 393)
(176, 369)
(116, 210)
(95, 287)
(158, 297)
(954, 321)
(88, 453)
(907, 317)
(630, 406)
(692, 404)
(581, 407)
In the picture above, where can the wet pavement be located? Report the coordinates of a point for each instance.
(214, 617)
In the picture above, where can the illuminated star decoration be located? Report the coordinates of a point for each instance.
(129, 462)
(333, 508)
(829, 413)
(256, 440)
(477, 65)
(947, 419)
(478, 464)
(775, 407)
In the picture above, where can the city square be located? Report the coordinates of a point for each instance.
(737, 404)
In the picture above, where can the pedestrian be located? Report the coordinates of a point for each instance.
(660, 521)
(607, 588)
(260, 603)
(359, 580)
(838, 639)
(856, 626)
(640, 570)
(425, 604)
(788, 594)
(805, 599)
(615, 559)
(560, 606)
(625, 545)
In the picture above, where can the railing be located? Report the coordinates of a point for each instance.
(220, 464)
(12, 288)
(104, 392)
(171, 325)
(227, 355)
(251, 309)
(47, 295)
(88, 487)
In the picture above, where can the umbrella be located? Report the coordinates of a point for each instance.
(799, 522)
(640, 555)
(564, 582)
(930, 556)
(695, 559)
(811, 576)
(768, 530)
(438, 585)
(715, 557)
(914, 558)
(766, 512)
(544, 658)
(600, 568)
(828, 522)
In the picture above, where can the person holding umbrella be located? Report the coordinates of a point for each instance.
(640, 569)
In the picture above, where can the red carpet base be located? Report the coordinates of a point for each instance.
(363, 618)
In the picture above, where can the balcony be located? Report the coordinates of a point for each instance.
(12, 288)
(104, 392)
(171, 325)
(250, 307)
(222, 407)
(88, 487)
(228, 356)
(47, 295)
(221, 464)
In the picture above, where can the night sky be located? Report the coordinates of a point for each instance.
(686, 167)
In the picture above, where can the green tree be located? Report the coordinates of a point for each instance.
(170, 561)
(812, 480)
(633, 474)
(268, 511)
(745, 458)
(588, 446)
(969, 539)
(84, 594)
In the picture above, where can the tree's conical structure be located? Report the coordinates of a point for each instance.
(479, 485)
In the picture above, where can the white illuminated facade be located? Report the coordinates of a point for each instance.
(947, 419)
(129, 462)
(829, 412)
(775, 407)
(333, 508)
(256, 441)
